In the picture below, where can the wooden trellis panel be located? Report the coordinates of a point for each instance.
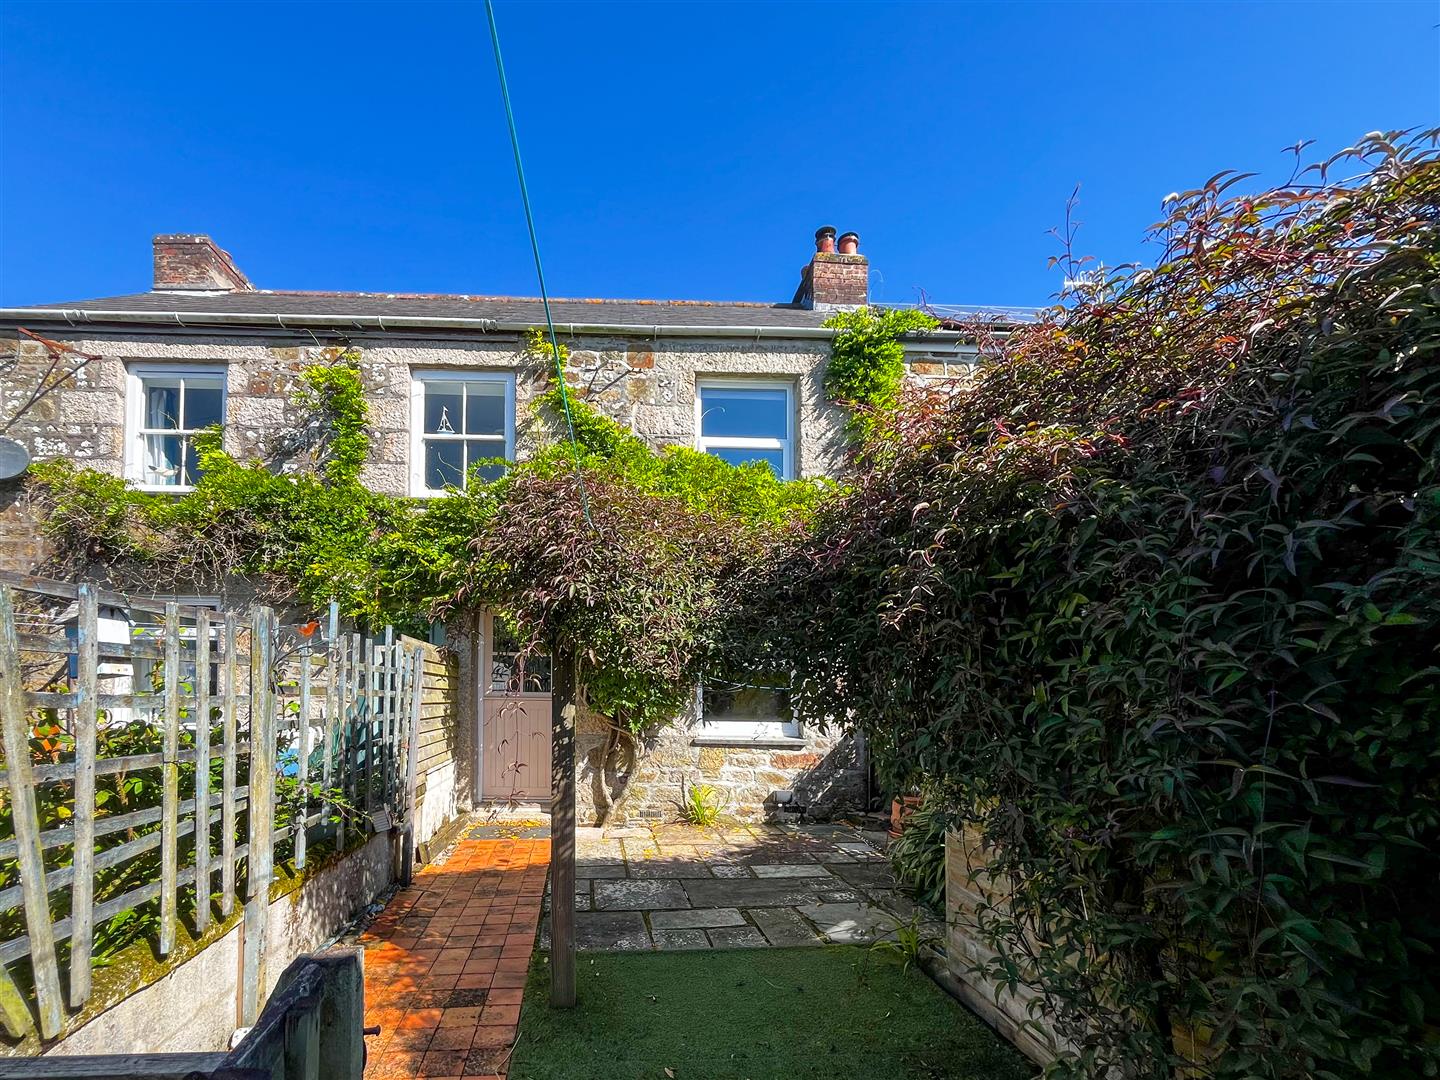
(302, 724)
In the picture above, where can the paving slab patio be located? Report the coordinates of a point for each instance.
(735, 886)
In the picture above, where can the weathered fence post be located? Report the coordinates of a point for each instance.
(261, 812)
(356, 676)
(202, 770)
(562, 830)
(389, 696)
(302, 764)
(27, 823)
(170, 782)
(82, 889)
(229, 734)
(333, 701)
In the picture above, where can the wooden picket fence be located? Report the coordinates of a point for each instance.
(311, 732)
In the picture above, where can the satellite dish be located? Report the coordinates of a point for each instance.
(14, 458)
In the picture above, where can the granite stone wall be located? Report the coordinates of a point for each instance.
(647, 780)
(646, 383)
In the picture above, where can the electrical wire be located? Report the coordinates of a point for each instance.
(539, 267)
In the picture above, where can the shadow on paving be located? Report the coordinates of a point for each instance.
(736, 886)
(831, 1013)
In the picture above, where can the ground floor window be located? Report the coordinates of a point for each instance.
(747, 705)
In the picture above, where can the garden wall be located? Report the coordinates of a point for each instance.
(194, 1005)
(1015, 1014)
(442, 783)
(826, 770)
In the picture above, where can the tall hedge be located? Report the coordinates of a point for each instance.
(1157, 600)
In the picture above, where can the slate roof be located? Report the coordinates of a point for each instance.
(502, 309)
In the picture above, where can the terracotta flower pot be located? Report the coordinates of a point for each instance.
(900, 811)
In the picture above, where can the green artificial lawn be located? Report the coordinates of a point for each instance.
(754, 1014)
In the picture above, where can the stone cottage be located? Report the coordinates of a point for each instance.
(450, 383)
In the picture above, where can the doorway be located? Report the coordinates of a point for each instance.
(515, 719)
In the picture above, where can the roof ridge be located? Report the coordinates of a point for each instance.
(497, 299)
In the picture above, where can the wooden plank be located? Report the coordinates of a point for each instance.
(82, 890)
(355, 726)
(302, 765)
(332, 704)
(341, 777)
(261, 816)
(14, 1013)
(562, 825)
(61, 645)
(302, 1041)
(345, 778)
(371, 679)
(389, 756)
(27, 825)
(385, 715)
(202, 771)
(228, 737)
(412, 764)
(65, 590)
(388, 760)
(113, 1066)
(49, 699)
(46, 774)
(170, 784)
(399, 739)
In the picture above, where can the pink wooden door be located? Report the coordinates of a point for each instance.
(515, 724)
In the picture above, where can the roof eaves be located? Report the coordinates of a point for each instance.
(76, 317)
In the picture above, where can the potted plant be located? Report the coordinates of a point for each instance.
(901, 807)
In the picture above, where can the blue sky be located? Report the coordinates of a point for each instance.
(674, 150)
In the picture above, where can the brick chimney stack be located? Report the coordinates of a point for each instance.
(191, 263)
(835, 280)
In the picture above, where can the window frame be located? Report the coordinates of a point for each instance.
(492, 625)
(135, 430)
(418, 378)
(786, 446)
(727, 732)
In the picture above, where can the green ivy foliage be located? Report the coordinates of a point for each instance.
(306, 537)
(624, 554)
(867, 361)
(630, 557)
(1156, 603)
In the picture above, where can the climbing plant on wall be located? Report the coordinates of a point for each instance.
(305, 536)
(867, 361)
(624, 552)
(629, 554)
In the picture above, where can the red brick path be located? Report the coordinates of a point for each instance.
(445, 963)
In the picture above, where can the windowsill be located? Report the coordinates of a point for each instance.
(163, 489)
(759, 742)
